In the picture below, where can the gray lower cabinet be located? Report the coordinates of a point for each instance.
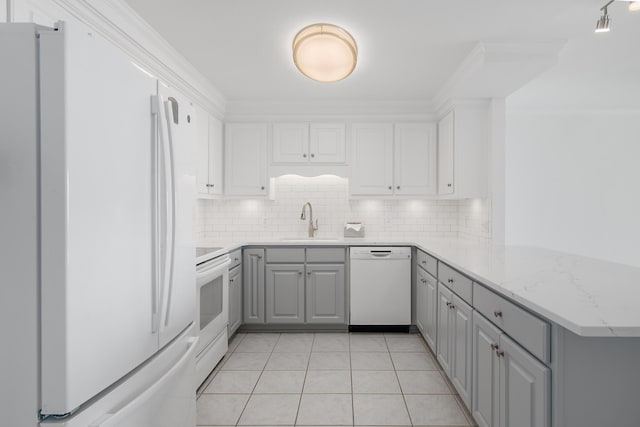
(455, 340)
(443, 352)
(427, 307)
(235, 300)
(421, 300)
(511, 387)
(253, 279)
(325, 293)
(285, 293)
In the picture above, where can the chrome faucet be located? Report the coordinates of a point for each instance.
(312, 229)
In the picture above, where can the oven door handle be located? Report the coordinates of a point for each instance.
(213, 271)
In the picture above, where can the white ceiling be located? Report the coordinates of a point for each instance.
(407, 48)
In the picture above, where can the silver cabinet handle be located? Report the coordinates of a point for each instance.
(452, 307)
(424, 261)
(499, 353)
(448, 185)
(304, 155)
(398, 187)
(450, 280)
(497, 313)
(300, 273)
(390, 188)
(313, 155)
(262, 188)
(210, 185)
(494, 346)
(309, 273)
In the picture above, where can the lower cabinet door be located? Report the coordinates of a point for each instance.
(285, 293)
(253, 275)
(431, 311)
(325, 294)
(421, 300)
(524, 387)
(235, 300)
(485, 398)
(461, 348)
(444, 328)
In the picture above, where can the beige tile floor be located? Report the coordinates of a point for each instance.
(329, 379)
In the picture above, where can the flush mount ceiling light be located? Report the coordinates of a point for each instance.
(325, 52)
(603, 24)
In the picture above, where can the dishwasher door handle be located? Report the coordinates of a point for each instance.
(380, 254)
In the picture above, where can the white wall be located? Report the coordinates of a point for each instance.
(226, 221)
(573, 182)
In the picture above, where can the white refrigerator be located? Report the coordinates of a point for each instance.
(97, 191)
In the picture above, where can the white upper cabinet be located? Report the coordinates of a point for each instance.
(216, 156)
(304, 143)
(246, 159)
(445, 154)
(371, 159)
(209, 153)
(384, 163)
(290, 142)
(415, 159)
(463, 156)
(327, 143)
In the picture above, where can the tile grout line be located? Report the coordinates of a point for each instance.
(395, 371)
(453, 392)
(259, 376)
(217, 369)
(304, 381)
(353, 405)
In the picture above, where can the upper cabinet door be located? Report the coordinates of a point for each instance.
(415, 159)
(246, 159)
(216, 160)
(202, 150)
(327, 143)
(290, 143)
(445, 154)
(371, 159)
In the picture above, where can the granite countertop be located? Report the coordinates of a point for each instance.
(587, 296)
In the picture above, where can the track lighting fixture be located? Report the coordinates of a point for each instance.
(603, 24)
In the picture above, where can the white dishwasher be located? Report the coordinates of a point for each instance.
(380, 287)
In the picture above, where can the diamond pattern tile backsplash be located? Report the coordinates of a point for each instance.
(229, 221)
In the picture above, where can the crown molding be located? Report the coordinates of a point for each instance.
(495, 70)
(121, 25)
(246, 110)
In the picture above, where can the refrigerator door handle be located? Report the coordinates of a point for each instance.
(157, 231)
(116, 417)
(167, 180)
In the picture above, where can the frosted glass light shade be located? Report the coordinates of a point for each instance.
(634, 6)
(325, 52)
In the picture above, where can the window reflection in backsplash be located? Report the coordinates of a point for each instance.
(228, 221)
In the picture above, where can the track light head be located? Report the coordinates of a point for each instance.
(602, 25)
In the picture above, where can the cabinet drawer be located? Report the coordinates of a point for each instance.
(285, 255)
(236, 258)
(325, 255)
(428, 263)
(455, 281)
(528, 330)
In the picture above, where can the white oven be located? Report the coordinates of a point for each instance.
(212, 281)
